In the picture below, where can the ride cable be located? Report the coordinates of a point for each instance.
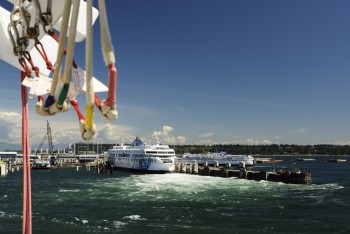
(108, 106)
(44, 109)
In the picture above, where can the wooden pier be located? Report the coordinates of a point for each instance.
(243, 173)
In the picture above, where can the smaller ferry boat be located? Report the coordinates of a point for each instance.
(336, 160)
(268, 160)
(262, 160)
(221, 158)
(306, 159)
(138, 156)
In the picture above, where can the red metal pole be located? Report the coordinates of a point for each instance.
(27, 190)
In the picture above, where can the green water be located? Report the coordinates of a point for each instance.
(70, 201)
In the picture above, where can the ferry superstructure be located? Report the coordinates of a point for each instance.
(155, 158)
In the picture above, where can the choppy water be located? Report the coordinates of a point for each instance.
(70, 201)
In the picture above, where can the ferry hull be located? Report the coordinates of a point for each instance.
(143, 165)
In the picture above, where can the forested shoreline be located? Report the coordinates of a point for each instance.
(274, 149)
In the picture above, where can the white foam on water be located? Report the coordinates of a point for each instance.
(177, 187)
(330, 186)
(134, 217)
(69, 190)
(7, 215)
(178, 183)
(119, 224)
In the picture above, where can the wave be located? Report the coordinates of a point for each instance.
(330, 186)
(8, 215)
(69, 190)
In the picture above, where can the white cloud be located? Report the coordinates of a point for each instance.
(250, 141)
(343, 142)
(66, 136)
(259, 142)
(63, 132)
(171, 140)
(10, 127)
(165, 132)
(181, 139)
(166, 138)
(111, 133)
(167, 129)
(67, 132)
(107, 133)
(206, 142)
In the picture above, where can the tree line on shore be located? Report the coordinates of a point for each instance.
(273, 149)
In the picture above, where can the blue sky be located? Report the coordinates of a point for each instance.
(225, 71)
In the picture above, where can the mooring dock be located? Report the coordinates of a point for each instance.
(243, 173)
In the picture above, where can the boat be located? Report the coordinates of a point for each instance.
(220, 158)
(336, 160)
(263, 160)
(268, 160)
(306, 159)
(138, 156)
(41, 164)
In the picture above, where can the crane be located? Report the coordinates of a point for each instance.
(47, 136)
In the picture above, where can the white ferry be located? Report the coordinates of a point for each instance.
(138, 156)
(221, 158)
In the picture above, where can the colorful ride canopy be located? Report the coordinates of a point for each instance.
(7, 54)
(28, 41)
